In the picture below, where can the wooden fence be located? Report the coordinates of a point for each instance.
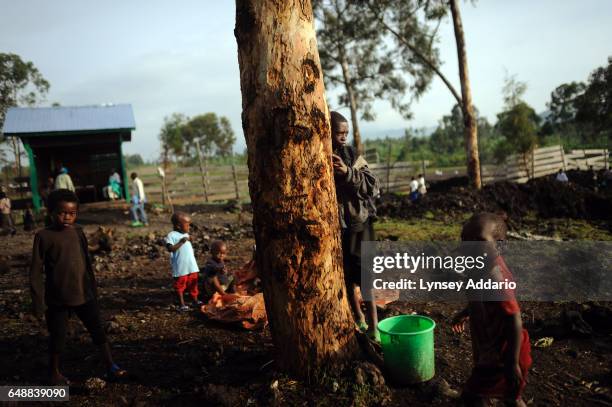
(223, 182)
(544, 161)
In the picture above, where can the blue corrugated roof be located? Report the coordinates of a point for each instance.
(25, 120)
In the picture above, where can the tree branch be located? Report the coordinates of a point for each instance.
(414, 50)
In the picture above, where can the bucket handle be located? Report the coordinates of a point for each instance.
(394, 339)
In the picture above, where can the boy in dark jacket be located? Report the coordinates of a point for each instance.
(356, 189)
(60, 253)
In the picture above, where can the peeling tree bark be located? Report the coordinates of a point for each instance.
(295, 215)
(469, 118)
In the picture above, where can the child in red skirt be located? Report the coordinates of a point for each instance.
(501, 349)
(184, 266)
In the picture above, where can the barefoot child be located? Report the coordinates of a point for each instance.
(501, 349)
(216, 277)
(184, 266)
(356, 188)
(60, 253)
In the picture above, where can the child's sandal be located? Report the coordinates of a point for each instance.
(116, 373)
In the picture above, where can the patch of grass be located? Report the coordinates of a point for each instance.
(417, 229)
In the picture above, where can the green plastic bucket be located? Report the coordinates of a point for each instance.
(408, 348)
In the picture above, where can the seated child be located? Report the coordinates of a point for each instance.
(184, 266)
(501, 349)
(216, 277)
(60, 253)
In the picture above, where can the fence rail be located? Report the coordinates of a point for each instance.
(545, 161)
(186, 183)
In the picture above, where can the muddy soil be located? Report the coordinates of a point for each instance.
(182, 359)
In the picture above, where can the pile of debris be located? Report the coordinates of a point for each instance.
(544, 197)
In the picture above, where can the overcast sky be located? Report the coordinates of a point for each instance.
(165, 57)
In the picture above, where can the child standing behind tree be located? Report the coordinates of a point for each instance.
(356, 188)
(60, 253)
(502, 353)
(184, 266)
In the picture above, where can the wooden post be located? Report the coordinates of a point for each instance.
(388, 164)
(165, 194)
(202, 170)
(235, 176)
(563, 158)
(532, 163)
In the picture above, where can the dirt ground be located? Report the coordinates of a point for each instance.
(182, 359)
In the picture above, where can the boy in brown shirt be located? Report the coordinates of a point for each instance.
(60, 253)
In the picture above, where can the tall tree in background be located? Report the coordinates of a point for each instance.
(595, 105)
(518, 123)
(214, 134)
(391, 18)
(171, 138)
(295, 215)
(357, 56)
(21, 84)
(179, 134)
(469, 118)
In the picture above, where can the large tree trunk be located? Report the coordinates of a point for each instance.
(469, 118)
(346, 75)
(295, 213)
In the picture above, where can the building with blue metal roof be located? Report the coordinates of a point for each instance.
(87, 140)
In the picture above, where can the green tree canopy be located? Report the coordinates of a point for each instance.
(519, 127)
(595, 105)
(20, 83)
(563, 103)
(214, 134)
(171, 138)
(179, 134)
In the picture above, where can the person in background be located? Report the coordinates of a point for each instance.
(422, 186)
(5, 212)
(46, 190)
(63, 180)
(29, 223)
(561, 176)
(113, 189)
(139, 216)
(414, 189)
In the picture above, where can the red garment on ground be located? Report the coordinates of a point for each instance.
(188, 282)
(487, 326)
(246, 307)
